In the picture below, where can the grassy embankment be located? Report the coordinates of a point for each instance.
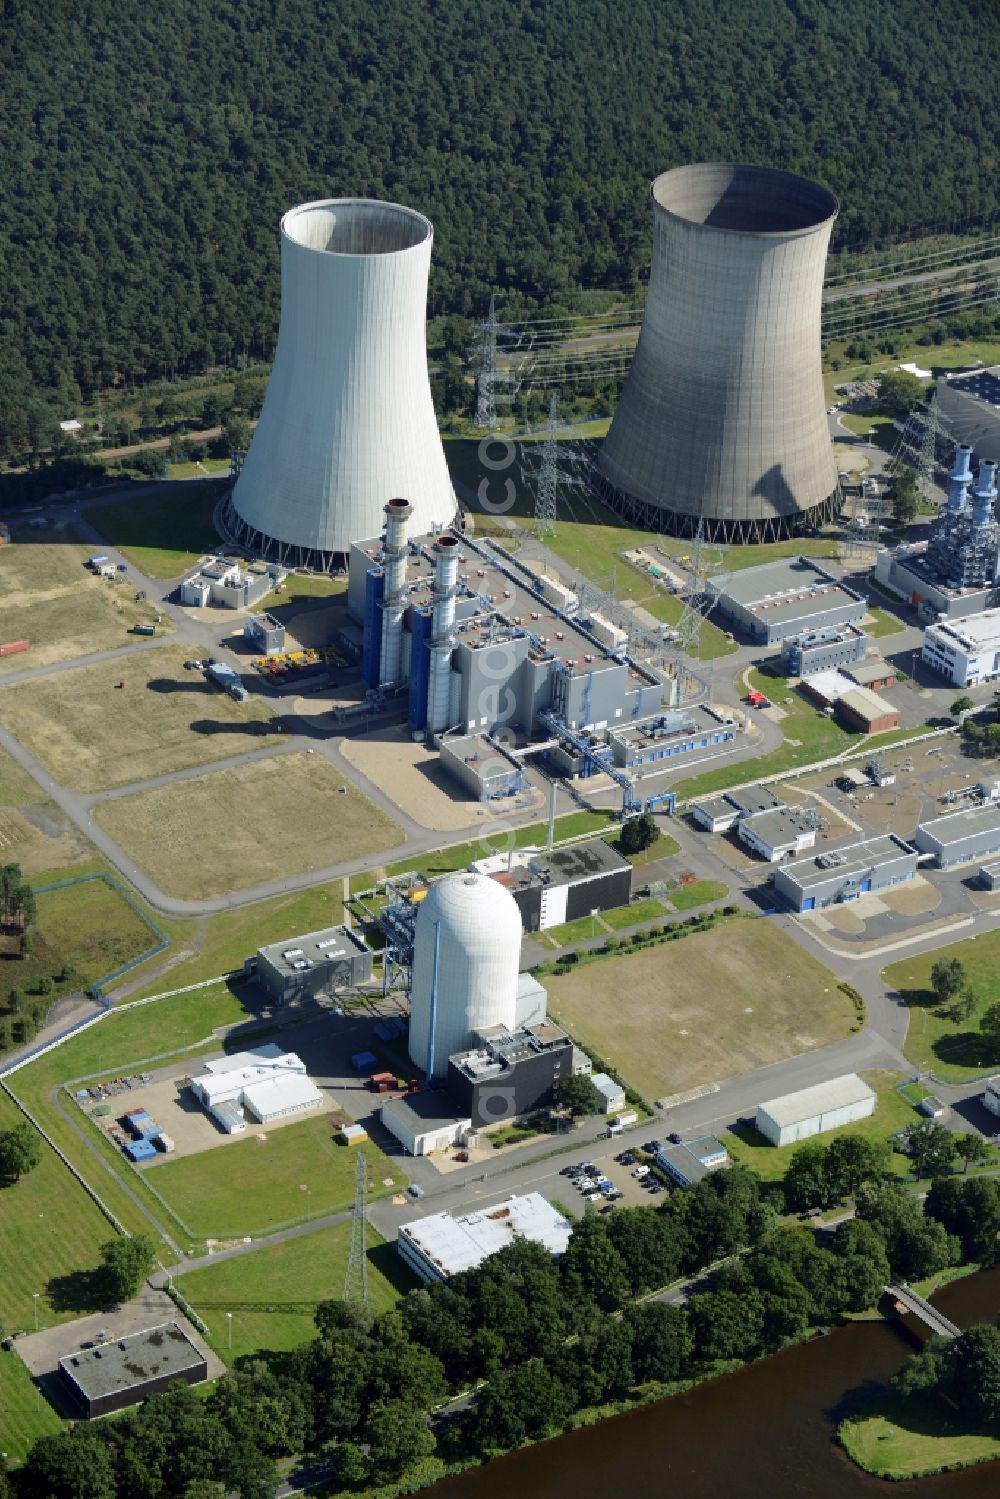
(899, 1439)
(953, 1051)
(163, 535)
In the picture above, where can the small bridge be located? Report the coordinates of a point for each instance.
(906, 1300)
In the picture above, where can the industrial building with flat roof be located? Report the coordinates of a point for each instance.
(229, 583)
(966, 650)
(507, 1073)
(719, 813)
(675, 731)
(959, 837)
(265, 1082)
(315, 963)
(813, 1111)
(777, 833)
(688, 1161)
(790, 597)
(842, 874)
(118, 1374)
(561, 884)
(970, 406)
(480, 766)
(827, 649)
(440, 1246)
(426, 1122)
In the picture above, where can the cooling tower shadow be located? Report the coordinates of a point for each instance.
(773, 489)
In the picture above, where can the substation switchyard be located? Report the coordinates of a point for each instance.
(722, 420)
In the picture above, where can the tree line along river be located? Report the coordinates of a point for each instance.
(764, 1432)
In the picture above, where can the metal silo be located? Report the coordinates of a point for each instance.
(723, 415)
(348, 421)
(466, 955)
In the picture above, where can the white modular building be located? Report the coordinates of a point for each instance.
(814, 1111)
(965, 651)
(439, 1246)
(427, 1122)
(348, 421)
(613, 1093)
(466, 957)
(266, 1083)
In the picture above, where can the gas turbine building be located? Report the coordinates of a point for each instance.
(348, 419)
(723, 416)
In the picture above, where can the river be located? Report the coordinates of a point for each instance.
(765, 1432)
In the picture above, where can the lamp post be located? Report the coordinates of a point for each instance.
(229, 1331)
(34, 1298)
(304, 1187)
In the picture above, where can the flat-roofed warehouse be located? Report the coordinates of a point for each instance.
(842, 874)
(316, 963)
(439, 1246)
(959, 837)
(965, 650)
(790, 597)
(562, 883)
(119, 1374)
(813, 1111)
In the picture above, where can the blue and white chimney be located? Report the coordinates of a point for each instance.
(984, 495)
(959, 479)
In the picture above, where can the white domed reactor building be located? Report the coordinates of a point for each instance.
(722, 417)
(348, 421)
(466, 955)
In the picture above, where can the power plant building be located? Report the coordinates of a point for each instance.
(955, 572)
(508, 1073)
(562, 883)
(791, 597)
(967, 650)
(320, 962)
(830, 648)
(845, 873)
(348, 420)
(466, 957)
(959, 837)
(970, 406)
(478, 643)
(723, 416)
(117, 1374)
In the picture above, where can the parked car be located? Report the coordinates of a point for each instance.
(675, 1138)
(415, 1189)
(640, 1172)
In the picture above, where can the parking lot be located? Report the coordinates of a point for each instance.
(631, 1191)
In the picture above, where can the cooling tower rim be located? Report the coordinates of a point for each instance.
(419, 225)
(819, 203)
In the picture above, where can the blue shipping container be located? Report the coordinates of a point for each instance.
(140, 1150)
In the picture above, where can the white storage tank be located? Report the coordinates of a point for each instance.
(466, 956)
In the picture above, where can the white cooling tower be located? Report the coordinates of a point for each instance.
(348, 421)
(466, 956)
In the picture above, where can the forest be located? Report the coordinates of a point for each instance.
(149, 151)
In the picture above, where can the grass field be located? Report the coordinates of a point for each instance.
(163, 534)
(93, 735)
(251, 823)
(34, 832)
(198, 470)
(49, 597)
(938, 358)
(92, 926)
(882, 623)
(621, 918)
(209, 1191)
(699, 893)
(911, 1438)
(273, 1293)
(892, 1112)
(710, 1006)
(49, 1231)
(954, 1052)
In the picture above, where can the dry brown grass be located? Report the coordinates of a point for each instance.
(707, 1007)
(233, 828)
(47, 596)
(93, 735)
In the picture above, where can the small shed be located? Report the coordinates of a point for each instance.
(613, 1093)
(353, 1134)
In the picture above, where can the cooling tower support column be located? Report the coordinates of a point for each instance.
(397, 515)
(442, 632)
(348, 419)
(722, 418)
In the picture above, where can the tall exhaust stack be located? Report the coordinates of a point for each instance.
(959, 479)
(723, 415)
(397, 517)
(444, 589)
(348, 419)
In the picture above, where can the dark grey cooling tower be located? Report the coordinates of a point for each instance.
(723, 414)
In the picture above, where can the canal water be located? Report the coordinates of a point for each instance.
(766, 1432)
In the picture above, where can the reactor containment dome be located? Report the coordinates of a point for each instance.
(722, 417)
(466, 956)
(348, 421)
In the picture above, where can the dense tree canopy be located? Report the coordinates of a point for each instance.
(148, 151)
